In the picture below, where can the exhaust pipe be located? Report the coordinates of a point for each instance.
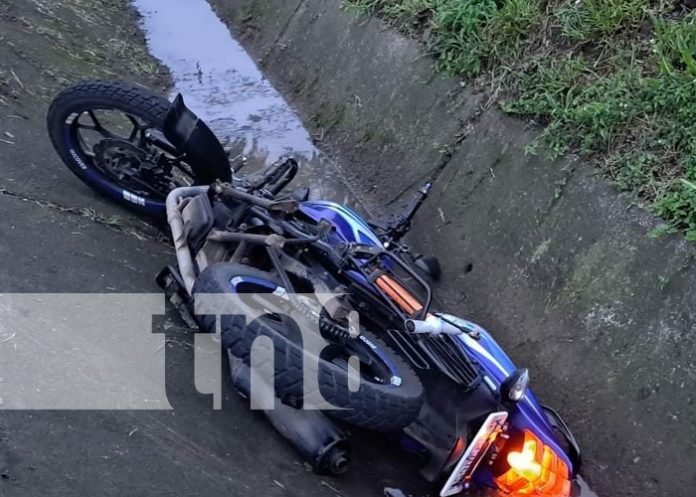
(311, 433)
(176, 224)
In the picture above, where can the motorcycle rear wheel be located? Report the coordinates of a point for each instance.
(109, 134)
(378, 404)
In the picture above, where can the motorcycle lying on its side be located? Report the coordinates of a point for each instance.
(438, 383)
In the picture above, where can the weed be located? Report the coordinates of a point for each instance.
(634, 171)
(466, 35)
(663, 282)
(409, 12)
(394, 10)
(560, 186)
(661, 231)
(513, 22)
(458, 28)
(563, 93)
(594, 19)
(474, 34)
(675, 45)
(679, 207)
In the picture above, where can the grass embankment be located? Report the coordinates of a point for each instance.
(613, 80)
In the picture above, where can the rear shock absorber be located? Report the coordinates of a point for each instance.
(329, 328)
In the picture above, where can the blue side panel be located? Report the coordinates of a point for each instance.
(350, 226)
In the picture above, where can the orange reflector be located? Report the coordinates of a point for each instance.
(457, 451)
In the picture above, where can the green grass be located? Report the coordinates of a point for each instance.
(589, 20)
(467, 35)
(632, 114)
(612, 80)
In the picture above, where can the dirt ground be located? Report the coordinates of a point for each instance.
(57, 236)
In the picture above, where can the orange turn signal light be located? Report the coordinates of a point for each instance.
(535, 469)
(524, 463)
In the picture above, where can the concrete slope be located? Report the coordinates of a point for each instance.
(544, 254)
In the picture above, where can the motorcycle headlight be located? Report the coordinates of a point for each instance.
(515, 386)
(534, 469)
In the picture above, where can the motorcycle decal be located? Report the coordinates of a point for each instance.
(96, 179)
(350, 226)
(492, 386)
(395, 379)
(133, 198)
(78, 159)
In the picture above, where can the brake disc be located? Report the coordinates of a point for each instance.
(124, 160)
(119, 157)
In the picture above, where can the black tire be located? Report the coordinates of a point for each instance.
(106, 95)
(375, 406)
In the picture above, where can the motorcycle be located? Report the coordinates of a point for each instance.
(438, 384)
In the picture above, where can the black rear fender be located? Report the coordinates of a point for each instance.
(192, 137)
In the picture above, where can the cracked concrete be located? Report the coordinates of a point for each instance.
(116, 223)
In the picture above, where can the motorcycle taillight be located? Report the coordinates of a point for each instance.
(535, 469)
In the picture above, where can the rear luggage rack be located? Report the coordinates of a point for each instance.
(440, 352)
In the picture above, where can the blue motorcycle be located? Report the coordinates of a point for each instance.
(439, 384)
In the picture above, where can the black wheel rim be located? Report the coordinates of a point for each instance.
(129, 151)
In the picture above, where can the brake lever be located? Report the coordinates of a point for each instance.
(398, 225)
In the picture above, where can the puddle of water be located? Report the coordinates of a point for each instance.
(223, 85)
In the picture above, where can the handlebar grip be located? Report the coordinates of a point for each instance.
(432, 325)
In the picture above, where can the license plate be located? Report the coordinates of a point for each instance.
(478, 447)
